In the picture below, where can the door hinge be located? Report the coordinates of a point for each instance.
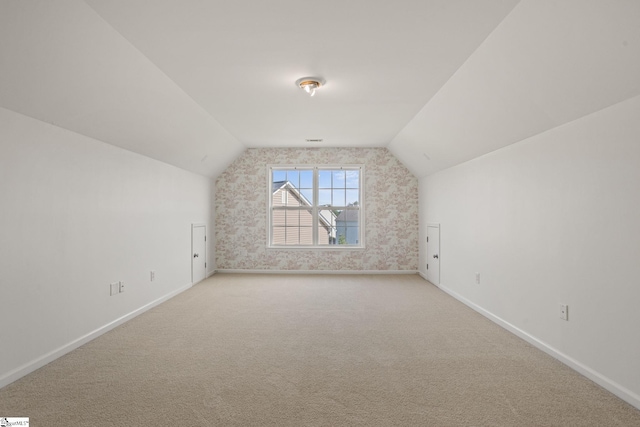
(205, 238)
(427, 239)
(205, 265)
(427, 266)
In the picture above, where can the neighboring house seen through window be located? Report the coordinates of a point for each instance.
(315, 206)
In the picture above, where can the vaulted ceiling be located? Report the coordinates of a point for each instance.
(193, 83)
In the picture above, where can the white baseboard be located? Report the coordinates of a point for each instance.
(29, 367)
(610, 385)
(242, 271)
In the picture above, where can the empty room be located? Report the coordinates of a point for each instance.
(345, 213)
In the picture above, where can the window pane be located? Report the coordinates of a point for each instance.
(307, 196)
(278, 236)
(306, 187)
(339, 178)
(306, 179)
(291, 198)
(326, 227)
(352, 236)
(353, 179)
(324, 197)
(347, 226)
(279, 175)
(293, 218)
(326, 235)
(278, 218)
(338, 197)
(324, 179)
(326, 216)
(352, 197)
(306, 235)
(281, 193)
(292, 236)
(294, 178)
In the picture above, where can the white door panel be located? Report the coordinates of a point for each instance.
(198, 253)
(433, 254)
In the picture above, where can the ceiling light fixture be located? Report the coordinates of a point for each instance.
(310, 84)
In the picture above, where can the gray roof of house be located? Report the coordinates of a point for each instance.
(347, 215)
(276, 185)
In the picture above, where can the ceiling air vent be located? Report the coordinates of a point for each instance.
(314, 140)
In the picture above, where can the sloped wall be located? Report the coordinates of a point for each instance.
(552, 220)
(391, 213)
(76, 215)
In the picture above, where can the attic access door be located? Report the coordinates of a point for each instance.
(433, 253)
(198, 253)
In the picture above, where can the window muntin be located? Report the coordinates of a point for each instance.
(297, 220)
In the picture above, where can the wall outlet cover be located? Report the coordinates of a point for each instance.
(564, 311)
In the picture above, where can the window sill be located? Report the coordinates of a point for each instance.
(317, 248)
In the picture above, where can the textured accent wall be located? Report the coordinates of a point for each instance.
(390, 205)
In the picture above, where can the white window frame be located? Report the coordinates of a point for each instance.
(315, 208)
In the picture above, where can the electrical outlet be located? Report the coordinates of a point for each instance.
(478, 278)
(121, 286)
(564, 311)
(114, 288)
(152, 276)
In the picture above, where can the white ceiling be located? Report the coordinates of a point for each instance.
(193, 83)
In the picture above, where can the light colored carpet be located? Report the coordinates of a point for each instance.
(249, 350)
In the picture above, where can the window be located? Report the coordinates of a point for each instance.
(315, 206)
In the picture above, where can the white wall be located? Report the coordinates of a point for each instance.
(553, 219)
(77, 214)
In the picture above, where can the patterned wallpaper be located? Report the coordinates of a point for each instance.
(391, 213)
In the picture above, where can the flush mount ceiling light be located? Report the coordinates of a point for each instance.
(310, 84)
